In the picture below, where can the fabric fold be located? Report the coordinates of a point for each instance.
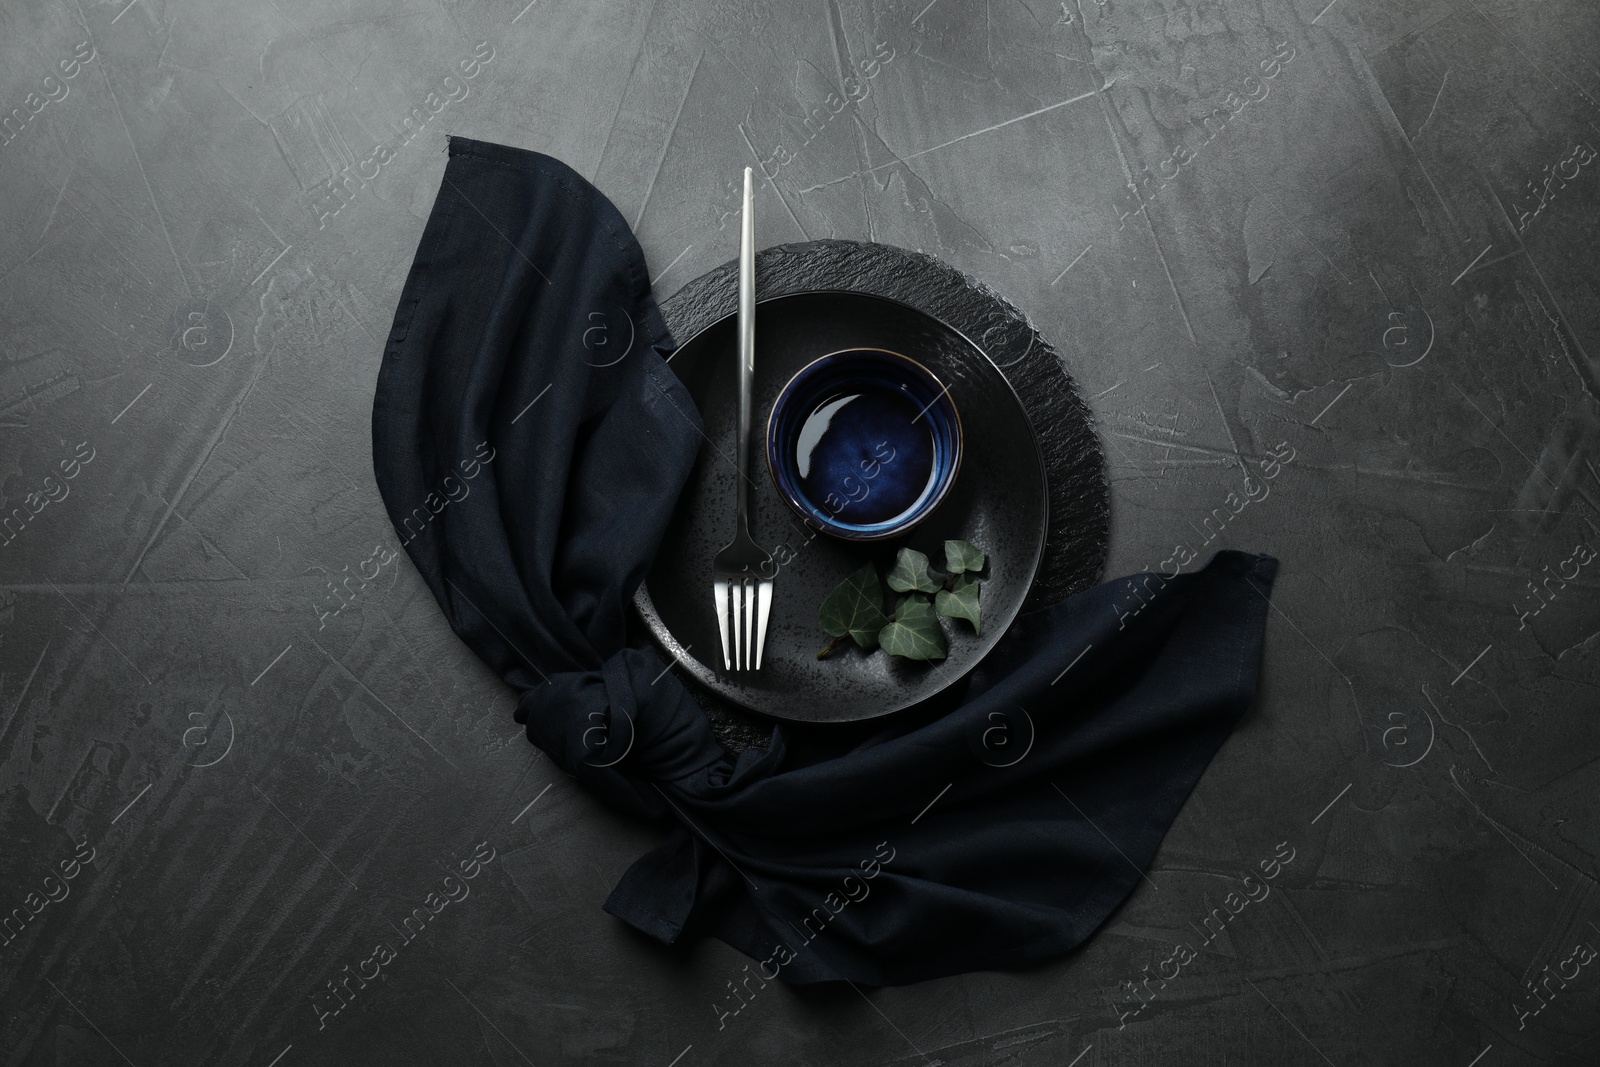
(530, 443)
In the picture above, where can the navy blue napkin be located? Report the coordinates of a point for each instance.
(531, 487)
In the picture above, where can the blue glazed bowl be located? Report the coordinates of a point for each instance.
(864, 443)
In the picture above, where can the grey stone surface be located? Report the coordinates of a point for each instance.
(203, 233)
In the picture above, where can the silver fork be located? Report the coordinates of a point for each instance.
(742, 573)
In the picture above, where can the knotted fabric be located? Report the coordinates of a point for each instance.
(531, 483)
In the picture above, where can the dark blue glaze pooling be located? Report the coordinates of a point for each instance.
(864, 443)
(866, 454)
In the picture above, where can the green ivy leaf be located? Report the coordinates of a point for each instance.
(855, 609)
(911, 573)
(960, 601)
(962, 557)
(915, 632)
(914, 608)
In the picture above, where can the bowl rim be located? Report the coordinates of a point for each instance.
(829, 526)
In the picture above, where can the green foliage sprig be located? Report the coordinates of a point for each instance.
(855, 610)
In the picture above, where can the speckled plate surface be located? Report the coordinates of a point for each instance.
(998, 502)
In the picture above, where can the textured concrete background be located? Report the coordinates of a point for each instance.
(1378, 252)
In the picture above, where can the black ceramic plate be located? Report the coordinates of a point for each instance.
(999, 503)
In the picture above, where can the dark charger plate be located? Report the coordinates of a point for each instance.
(999, 502)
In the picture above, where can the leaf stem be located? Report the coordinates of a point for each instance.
(833, 643)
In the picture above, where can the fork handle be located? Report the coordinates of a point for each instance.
(747, 349)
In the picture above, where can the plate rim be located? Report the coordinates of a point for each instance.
(665, 639)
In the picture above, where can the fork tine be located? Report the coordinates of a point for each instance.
(749, 623)
(764, 606)
(744, 636)
(720, 591)
(736, 621)
(735, 629)
(735, 614)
